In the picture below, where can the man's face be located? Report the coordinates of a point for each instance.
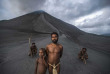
(84, 50)
(41, 54)
(33, 44)
(54, 38)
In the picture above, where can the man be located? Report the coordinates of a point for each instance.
(33, 50)
(83, 55)
(54, 53)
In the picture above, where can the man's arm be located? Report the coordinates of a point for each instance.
(61, 53)
(86, 55)
(36, 66)
(46, 57)
(36, 47)
(47, 51)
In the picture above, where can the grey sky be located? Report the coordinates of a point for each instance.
(88, 15)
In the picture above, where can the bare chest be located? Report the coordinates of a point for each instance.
(54, 49)
(40, 61)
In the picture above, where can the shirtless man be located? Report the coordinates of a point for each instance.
(54, 53)
(83, 55)
(33, 50)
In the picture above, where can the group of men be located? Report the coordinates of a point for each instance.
(53, 53)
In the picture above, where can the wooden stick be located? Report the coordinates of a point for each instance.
(84, 61)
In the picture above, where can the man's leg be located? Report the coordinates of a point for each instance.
(58, 69)
(50, 69)
(35, 52)
(31, 53)
(82, 57)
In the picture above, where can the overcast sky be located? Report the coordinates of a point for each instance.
(91, 16)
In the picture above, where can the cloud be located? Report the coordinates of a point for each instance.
(97, 22)
(5, 11)
(98, 30)
(74, 9)
(13, 8)
(30, 5)
(67, 10)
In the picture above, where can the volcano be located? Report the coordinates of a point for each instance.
(14, 45)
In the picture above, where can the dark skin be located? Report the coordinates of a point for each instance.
(83, 54)
(54, 53)
(33, 49)
(41, 65)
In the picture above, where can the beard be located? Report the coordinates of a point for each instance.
(55, 41)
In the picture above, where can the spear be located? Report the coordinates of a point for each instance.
(84, 61)
(30, 43)
(30, 40)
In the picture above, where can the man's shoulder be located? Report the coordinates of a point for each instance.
(50, 44)
(60, 46)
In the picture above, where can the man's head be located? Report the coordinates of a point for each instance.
(84, 49)
(33, 44)
(54, 37)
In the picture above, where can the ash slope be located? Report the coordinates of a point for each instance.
(14, 45)
(42, 22)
